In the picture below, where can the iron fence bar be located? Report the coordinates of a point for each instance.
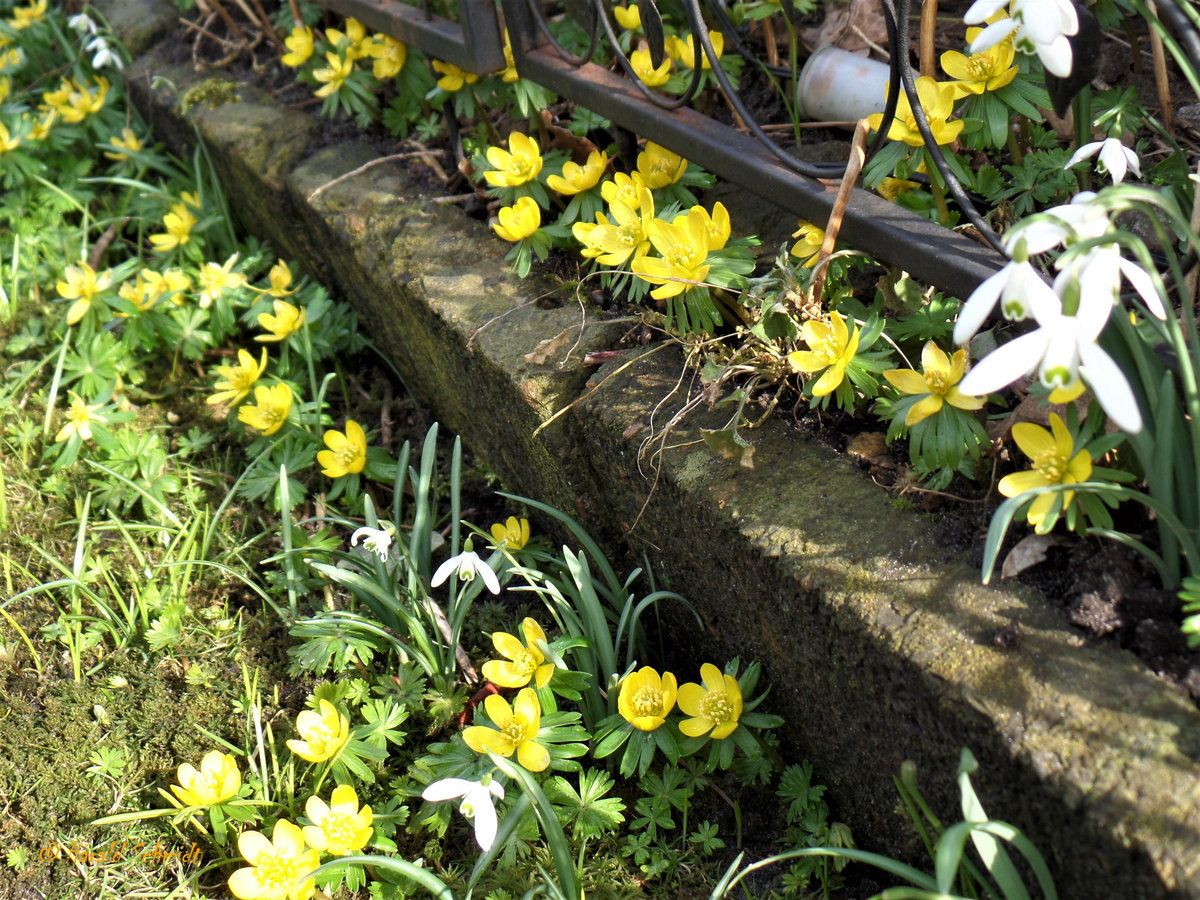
(473, 45)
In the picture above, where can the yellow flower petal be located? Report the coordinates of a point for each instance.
(923, 409)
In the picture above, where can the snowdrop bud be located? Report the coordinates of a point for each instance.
(82, 24)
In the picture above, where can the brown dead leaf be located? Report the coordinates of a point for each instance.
(580, 148)
(1029, 552)
(855, 28)
(547, 348)
(871, 447)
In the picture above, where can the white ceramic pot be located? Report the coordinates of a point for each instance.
(838, 86)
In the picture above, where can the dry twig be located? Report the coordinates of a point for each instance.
(858, 156)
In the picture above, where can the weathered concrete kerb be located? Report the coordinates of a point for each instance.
(876, 643)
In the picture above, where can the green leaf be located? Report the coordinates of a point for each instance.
(589, 813)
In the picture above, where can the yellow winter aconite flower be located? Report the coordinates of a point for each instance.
(643, 68)
(280, 279)
(82, 284)
(1055, 461)
(811, 238)
(278, 867)
(628, 17)
(625, 189)
(215, 280)
(128, 140)
(172, 282)
(513, 533)
(339, 827)
(142, 293)
(646, 699)
(979, 72)
(300, 47)
(510, 73)
(518, 221)
(24, 16)
(938, 382)
(389, 54)
(7, 141)
(522, 663)
(576, 179)
(659, 167)
(515, 732)
(74, 102)
(237, 380)
(453, 78)
(353, 40)
(270, 409)
(631, 206)
(323, 734)
(683, 248)
(716, 225)
(178, 223)
(937, 99)
(216, 781)
(347, 453)
(40, 130)
(831, 346)
(287, 320)
(333, 76)
(891, 188)
(517, 165)
(80, 417)
(684, 51)
(716, 706)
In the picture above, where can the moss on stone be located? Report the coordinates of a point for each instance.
(212, 93)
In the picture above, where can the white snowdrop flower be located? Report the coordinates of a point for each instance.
(1083, 219)
(82, 23)
(1019, 289)
(1041, 27)
(1099, 271)
(992, 34)
(105, 55)
(477, 803)
(1115, 158)
(467, 564)
(1063, 349)
(981, 10)
(377, 540)
(1046, 26)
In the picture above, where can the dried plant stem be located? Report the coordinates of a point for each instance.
(101, 246)
(460, 655)
(364, 167)
(769, 41)
(858, 156)
(215, 6)
(268, 26)
(1160, 74)
(202, 30)
(929, 9)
